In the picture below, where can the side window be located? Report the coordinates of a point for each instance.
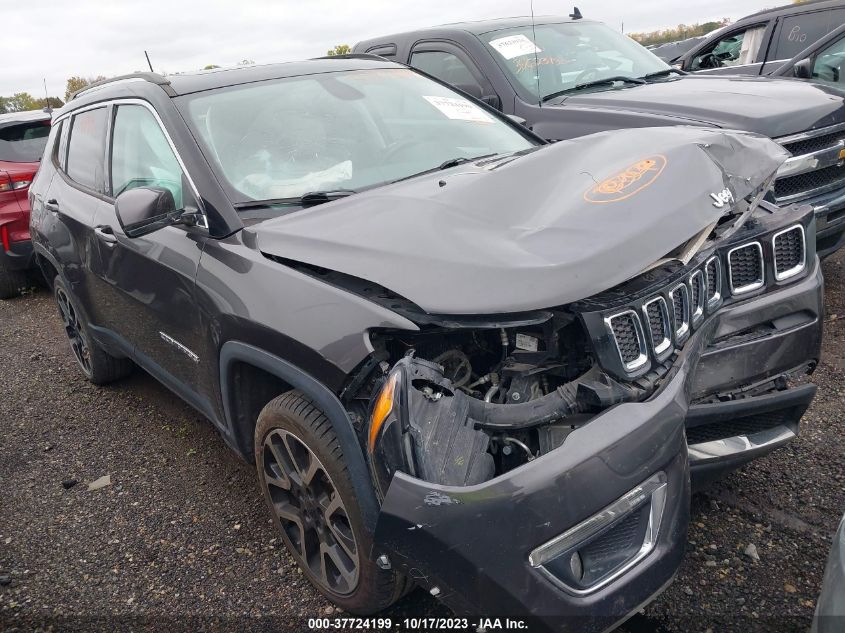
(797, 32)
(61, 148)
(141, 156)
(86, 149)
(449, 68)
(829, 64)
(735, 49)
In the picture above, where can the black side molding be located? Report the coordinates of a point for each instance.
(233, 351)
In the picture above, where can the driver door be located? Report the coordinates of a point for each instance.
(736, 52)
(149, 280)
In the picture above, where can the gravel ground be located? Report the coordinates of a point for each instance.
(180, 539)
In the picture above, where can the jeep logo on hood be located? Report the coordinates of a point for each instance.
(628, 182)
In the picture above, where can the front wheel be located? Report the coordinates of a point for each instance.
(305, 481)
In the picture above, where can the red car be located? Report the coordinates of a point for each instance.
(23, 136)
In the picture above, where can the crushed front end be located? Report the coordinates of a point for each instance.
(540, 463)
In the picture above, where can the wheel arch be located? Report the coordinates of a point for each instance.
(47, 264)
(269, 372)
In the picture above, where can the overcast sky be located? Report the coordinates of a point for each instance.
(55, 39)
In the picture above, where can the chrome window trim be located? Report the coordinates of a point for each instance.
(717, 296)
(681, 332)
(653, 490)
(696, 310)
(141, 102)
(741, 290)
(666, 343)
(642, 359)
(795, 270)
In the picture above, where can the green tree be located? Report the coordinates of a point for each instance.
(246, 62)
(340, 49)
(210, 67)
(77, 83)
(19, 102)
(680, 32)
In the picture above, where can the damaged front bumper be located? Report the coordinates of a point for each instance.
(584, 535)
(616, 491)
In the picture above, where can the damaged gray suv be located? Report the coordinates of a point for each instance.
(460, 358)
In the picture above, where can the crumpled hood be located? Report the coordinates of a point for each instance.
(555, 226)
(773, 107)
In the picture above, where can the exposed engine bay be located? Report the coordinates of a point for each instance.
(458, 407)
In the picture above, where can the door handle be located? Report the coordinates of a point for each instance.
(105, 234)
(52, 205)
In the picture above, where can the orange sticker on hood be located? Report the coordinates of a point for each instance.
(628, 182)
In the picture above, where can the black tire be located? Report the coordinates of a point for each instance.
(12, 282)
(98, 366)
(286, 425)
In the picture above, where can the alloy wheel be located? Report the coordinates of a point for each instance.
(73, 329)
(310, 511)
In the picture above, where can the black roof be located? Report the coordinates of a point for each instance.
(186, 83)
(791, 9)
(478, 27)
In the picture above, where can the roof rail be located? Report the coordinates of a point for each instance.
(154, 78)
(356, 56)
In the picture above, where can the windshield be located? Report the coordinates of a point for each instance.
(338, 131)
(24, 143)
(568, 54)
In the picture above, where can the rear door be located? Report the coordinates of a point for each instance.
(148, 282)
(73, 198)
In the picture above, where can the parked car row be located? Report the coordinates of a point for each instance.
(461, 356)
(568, 78)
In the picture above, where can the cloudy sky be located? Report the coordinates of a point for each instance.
(55, 39)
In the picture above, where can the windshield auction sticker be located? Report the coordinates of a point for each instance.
(459, 109)
(515, 46)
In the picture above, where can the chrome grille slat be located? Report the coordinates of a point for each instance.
(656, 315)
(746, 272)
(680, 312)
(816, 166)
(627, 332)
(790, 252)
(713, 273)
(698, 297)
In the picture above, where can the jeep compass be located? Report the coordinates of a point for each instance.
(459, 358)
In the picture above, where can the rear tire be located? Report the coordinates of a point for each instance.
(98, 366)
(307, 486)
(12, 282)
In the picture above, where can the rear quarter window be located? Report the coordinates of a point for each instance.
(25, 142)
(797, 32)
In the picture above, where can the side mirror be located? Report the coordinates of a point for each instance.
(473, 90)
(803, 69)
(144, 210)
(493, 101)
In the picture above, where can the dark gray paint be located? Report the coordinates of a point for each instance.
(517, 237)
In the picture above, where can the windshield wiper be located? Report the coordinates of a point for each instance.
(595, 82)
(663, 73)
(310, 199)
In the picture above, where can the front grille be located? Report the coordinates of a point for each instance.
(627, 333)
(745, 268)
(789, 252)
(738, 426)
(810, 145)
(809, 181)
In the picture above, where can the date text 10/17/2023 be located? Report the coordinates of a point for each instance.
(418, 624)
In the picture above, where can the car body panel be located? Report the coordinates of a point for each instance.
(526, 225)
(830, 608)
